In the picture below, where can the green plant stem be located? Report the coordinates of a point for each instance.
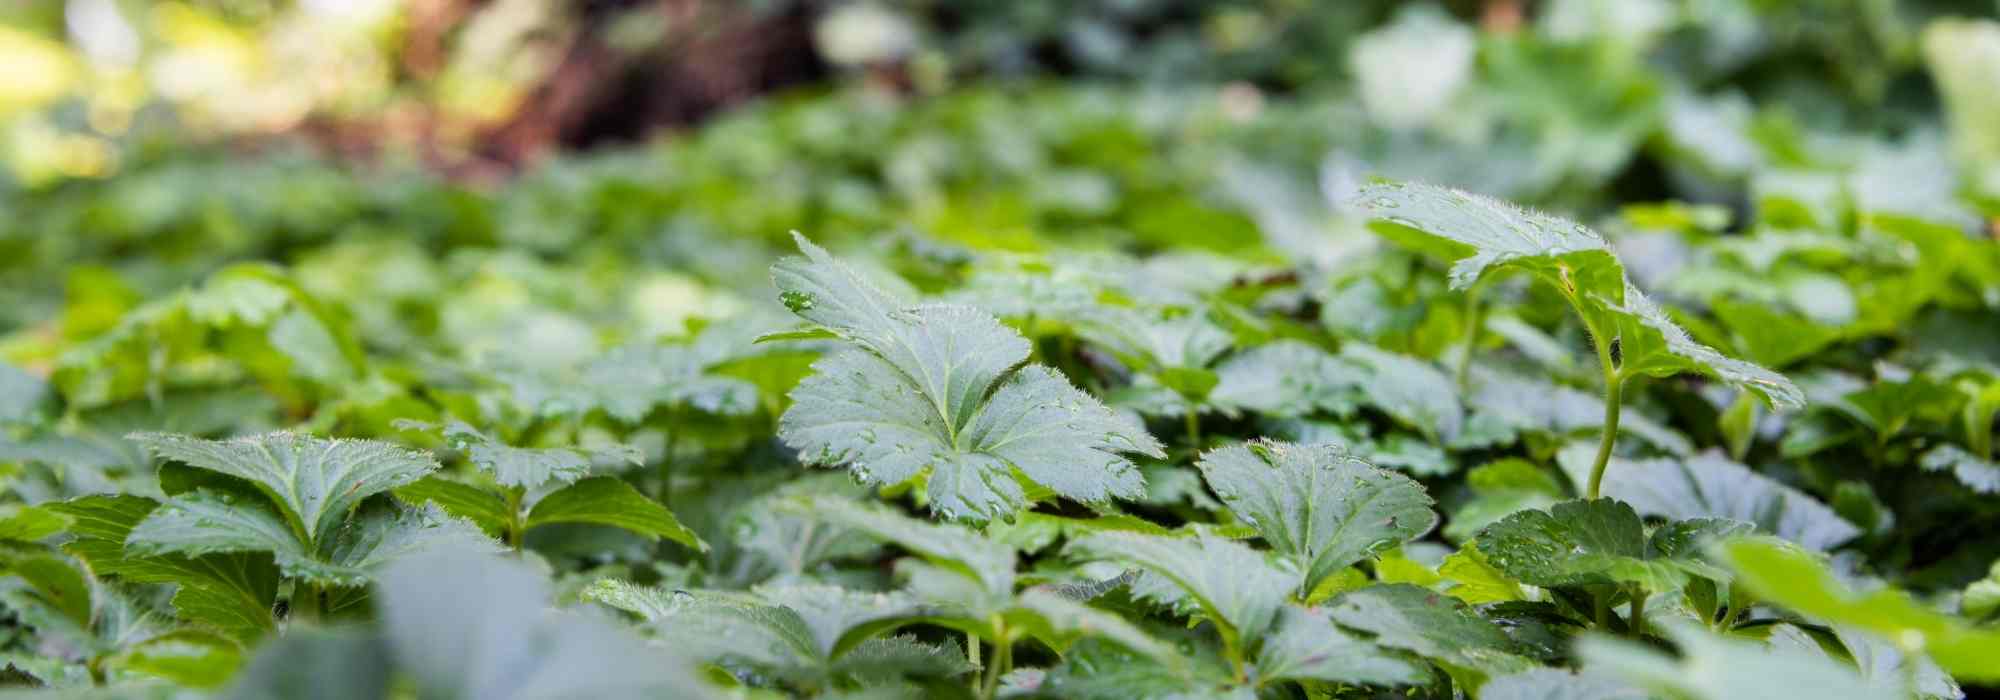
(515, 527)
(1003, 656)
(1638, 613)
(1614, 384)
(972, 649)
(308, 602)
(1232, 650)
(1193, 419)
(1729, 618)
(1602, 609)
(1605, 442)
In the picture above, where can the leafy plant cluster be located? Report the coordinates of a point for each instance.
(1107, 392)
(1531, 472)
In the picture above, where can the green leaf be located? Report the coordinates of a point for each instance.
(316, 481)
(1286, 379)
(1709, 486)
(826, 291)
(610, 501)
(1772, 338)
(1580, 265)
(1317, 505)
(484, 508)
(1650, 343)
(1432, 625)
(189, 658)
(1060, 621)
(1712, 667)
(1794, 578)
(1980, 475)
(1489, 233)
(1982, 597)
(940, 390)
(723, 627)
(1235, 586)
(50, 592)
(1475, 580)
(469, 625)
(801, 633)
(1411, 390)
(207, 522)
(787, 545)
(379, 536)
(523, 467)
(203, 523)
(316, 664)
(884, 660)
(1167, 353)
(1150, 343)
(1307, 646)
(1888, 407)
(1579, 543)
(985, 563)
(29, 523)
(232, 593)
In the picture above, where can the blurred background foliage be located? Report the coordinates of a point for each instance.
(147, 144)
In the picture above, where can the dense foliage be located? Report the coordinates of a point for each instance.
(1052, 391)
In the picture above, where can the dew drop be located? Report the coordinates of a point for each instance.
(798, 301)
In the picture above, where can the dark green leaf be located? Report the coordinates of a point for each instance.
(610, 501)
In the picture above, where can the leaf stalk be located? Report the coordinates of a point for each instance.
(1614, 385)
(1003, 657)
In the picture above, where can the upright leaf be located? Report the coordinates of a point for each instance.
(1490, 233)
(1651, 343)
(1579, 264)
(316, 481)
(939, 390)
(1320, 507)
(1235, 586)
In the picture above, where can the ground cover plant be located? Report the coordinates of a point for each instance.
(1622, 366)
